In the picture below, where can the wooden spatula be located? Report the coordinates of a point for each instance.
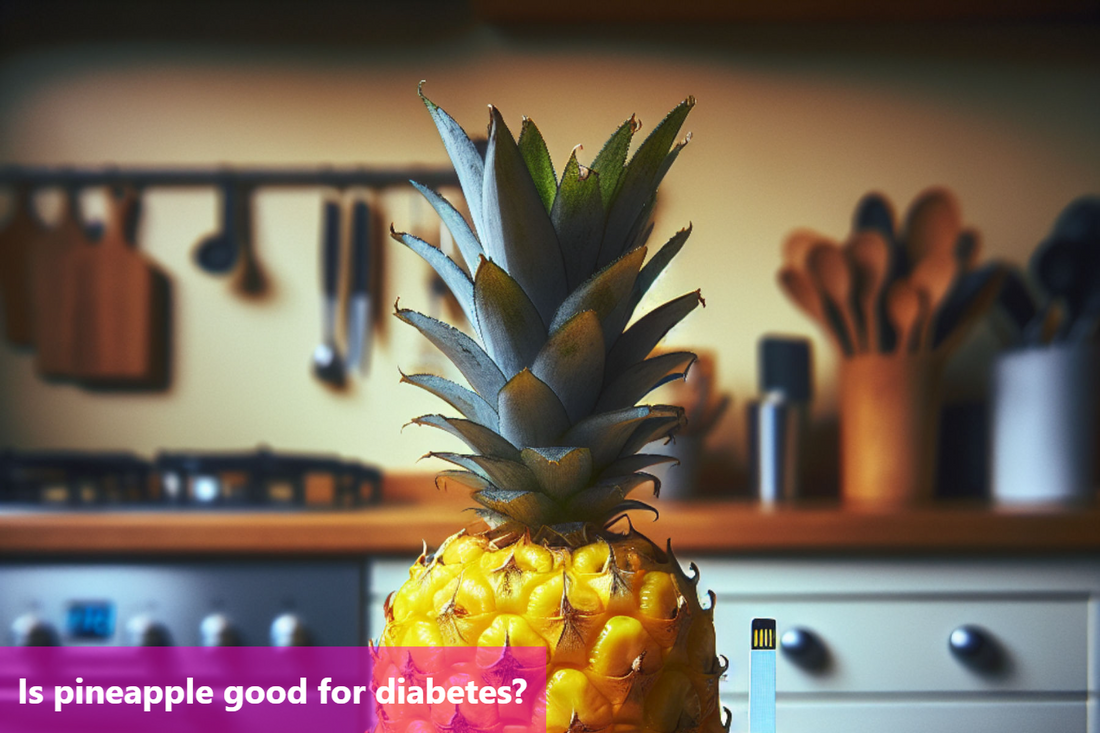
(122, 324)
(21, 233)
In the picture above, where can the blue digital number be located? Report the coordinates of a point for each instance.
(91, 620)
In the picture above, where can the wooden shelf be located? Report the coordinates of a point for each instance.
(694, 528)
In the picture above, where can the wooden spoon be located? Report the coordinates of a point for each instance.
(800, 288)
(830, 271)
(903, 307)
(797, 246)
(934, 277)
(933, 225)
(869, 255)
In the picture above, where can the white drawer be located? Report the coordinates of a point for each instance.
(900, 645)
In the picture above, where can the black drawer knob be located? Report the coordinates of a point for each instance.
(967, 642)
(804, 648)
(977, 649)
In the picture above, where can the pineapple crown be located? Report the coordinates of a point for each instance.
(551, 273)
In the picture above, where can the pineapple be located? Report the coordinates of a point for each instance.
(551, 273)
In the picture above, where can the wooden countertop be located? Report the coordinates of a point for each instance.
(694, 527)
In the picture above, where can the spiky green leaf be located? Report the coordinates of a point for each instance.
(529, 507)
(641, 338)
(578, 217)
(632, 464)
(472, 405)
(657, 264)
(533, 149)
(478, 437)
(561, 472)
(530, 413)
(604, 499)
(606, 433)
(501, 472)
(518, 233)
(572, 364)
(467, 161)
(612, 156)
(456, 223)
(605, 293)
(664, 422)
(471, 360)
(640, 379)
(453, 275)
(511, 328)
(639, 182)
(465, 479)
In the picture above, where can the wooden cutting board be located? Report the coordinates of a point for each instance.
(122, 295)
(22, 232)
(55, 263)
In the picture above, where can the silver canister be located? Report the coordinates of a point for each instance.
(777, 429)
(777, 422)
(1045, 424)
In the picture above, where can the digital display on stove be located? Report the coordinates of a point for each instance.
(92, 620)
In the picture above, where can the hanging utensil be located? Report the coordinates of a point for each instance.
(217, 254)
(328, 365)
(251, 281)
(359, 303)
(21, 234)
(121, 333)
(55, 264)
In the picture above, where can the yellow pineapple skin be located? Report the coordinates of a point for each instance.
(629, 646)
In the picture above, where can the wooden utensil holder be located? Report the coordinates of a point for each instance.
(889, 420)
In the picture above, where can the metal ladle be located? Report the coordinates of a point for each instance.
(328, 363)
(217, 254)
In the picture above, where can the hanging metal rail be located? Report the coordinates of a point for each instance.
(248, 177)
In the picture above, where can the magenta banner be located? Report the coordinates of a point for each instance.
(271, 690)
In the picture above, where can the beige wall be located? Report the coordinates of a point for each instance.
(789, 130)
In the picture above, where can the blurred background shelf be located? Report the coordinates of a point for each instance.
(401, 522)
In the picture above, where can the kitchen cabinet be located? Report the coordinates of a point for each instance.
(885, 625)
(881, 592)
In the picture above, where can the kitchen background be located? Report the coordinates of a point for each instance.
(952, 617)
(795, 122)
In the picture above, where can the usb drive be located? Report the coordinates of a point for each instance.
(762, 677)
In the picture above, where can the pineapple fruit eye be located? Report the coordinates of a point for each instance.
(510, 629)
(622, 640)
(534, 558)
(591, 558)
(658, 596)
(569, 691)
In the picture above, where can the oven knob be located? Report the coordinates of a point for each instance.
(217, 630)
(29, 630)
(804, 648)
(145, 631)
(289, 630)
